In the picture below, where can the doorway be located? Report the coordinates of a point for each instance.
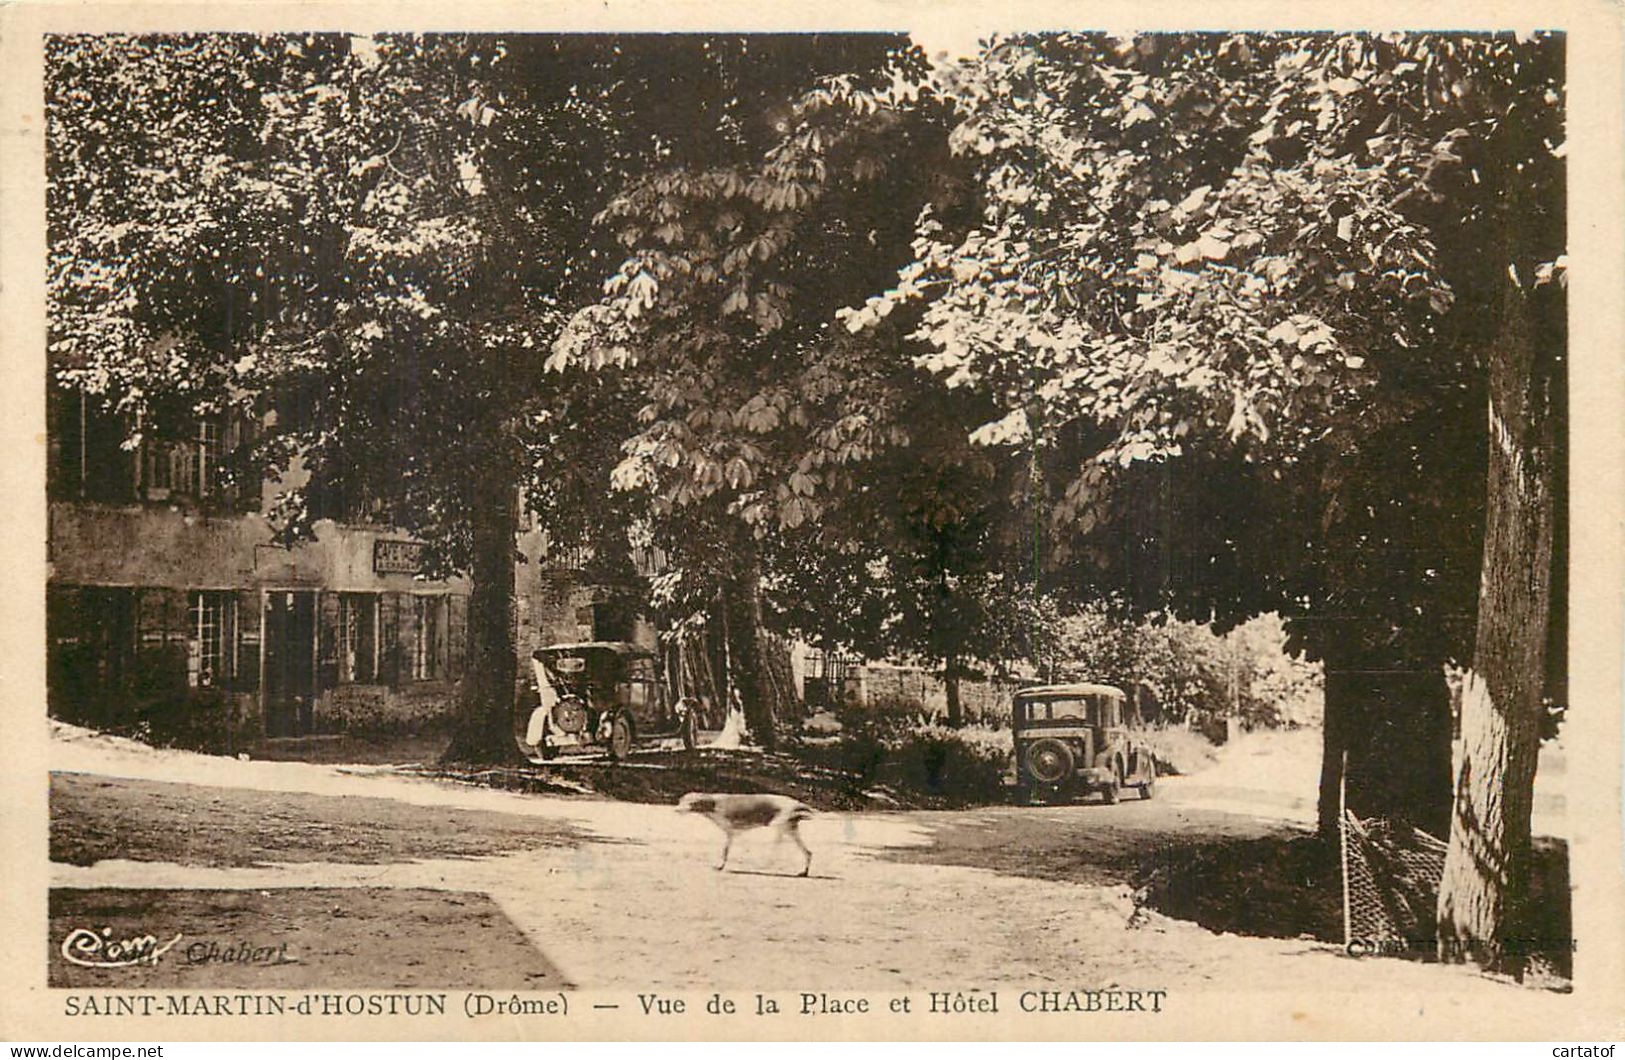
(290, 662)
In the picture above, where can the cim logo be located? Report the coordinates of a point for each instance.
(91, 949)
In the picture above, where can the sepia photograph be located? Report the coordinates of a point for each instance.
(873, 532)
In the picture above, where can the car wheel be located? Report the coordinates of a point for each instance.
(1049, 762)
(1149, 787)
(620, 737)
(1114, 787)
(691, 729)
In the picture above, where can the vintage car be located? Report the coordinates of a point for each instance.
(602, 694)
(1073, 739)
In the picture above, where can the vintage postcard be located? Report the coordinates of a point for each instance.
(670, 521)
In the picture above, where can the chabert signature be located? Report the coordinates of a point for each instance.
(92, 949)
(240, 952)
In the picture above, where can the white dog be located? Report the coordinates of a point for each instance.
(739, 813)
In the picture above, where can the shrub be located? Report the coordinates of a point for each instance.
(199, 722)
(954, 765)
(957, 767)
(888, 713)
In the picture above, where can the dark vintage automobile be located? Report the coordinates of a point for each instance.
(602, 694)
(1073, 739)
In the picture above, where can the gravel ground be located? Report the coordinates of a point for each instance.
(621, 896)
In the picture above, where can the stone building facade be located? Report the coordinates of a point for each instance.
(171, 606)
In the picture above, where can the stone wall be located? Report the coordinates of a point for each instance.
(556, 605)
(874, 684)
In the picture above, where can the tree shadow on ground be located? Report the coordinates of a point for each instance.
(1268, 886)
(97, 818)
(1290, 886)
(659, 777)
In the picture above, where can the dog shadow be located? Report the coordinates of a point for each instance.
(780, 875)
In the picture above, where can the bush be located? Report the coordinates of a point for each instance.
(888, 713)
(199, 722)
(944, 765)
(953, 767)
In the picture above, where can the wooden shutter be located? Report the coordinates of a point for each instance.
(456, 635)
(389, 632)
(160, 671)
(241, 435)
(442, 635)
(227, 678)
(248, 640)
(408, 636)
(150, 619)
(327, 639)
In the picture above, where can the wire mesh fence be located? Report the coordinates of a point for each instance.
(1391, 875)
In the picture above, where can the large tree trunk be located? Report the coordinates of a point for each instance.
(1332, 746)
(696, 679)
(1392, 720)
(950, 688)
(485, 729)
(1399, 756)
(756, 672)
(1487, 867)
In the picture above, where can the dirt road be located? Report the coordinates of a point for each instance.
(619, 896)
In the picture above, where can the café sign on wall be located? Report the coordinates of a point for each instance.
(396, 557)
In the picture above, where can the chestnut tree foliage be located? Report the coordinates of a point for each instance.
(767, 437)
